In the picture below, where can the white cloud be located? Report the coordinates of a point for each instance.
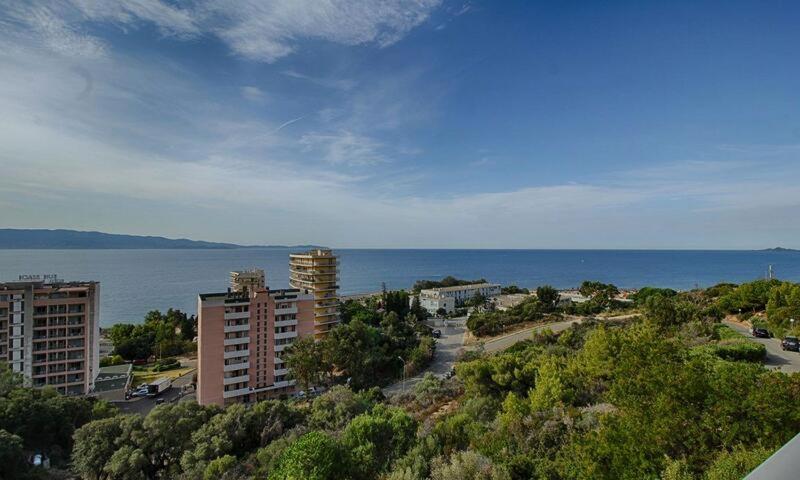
(262, 30)
(51, 31)
(169, 19)
(345, 148)
(254, 94)
(268, 30)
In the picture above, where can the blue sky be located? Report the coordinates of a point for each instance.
(426, 123)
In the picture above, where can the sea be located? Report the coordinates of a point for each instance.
(134, 282)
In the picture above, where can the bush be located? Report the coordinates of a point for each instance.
(166, 364)
(740, 350)
(111, 360)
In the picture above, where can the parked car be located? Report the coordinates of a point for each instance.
(759, 332)
(437, 334)
(791, 343)
(142, 392)
(159, 401)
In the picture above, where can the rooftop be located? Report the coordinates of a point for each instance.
(462, 287)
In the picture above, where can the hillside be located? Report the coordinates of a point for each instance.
(68, 239)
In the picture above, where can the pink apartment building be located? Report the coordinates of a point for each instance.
(241, 334)
(50, 331)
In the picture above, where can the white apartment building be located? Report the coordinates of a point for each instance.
(449, 298)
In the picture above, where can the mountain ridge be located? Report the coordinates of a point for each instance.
(65, 239)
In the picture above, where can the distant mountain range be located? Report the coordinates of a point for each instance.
(780, 249)
(11, 238)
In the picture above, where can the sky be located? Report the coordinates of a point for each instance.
(405, 124)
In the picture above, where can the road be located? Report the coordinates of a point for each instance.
(143, 405)
(452, 340)
(787, 362)
(501, 343)
(447, 347)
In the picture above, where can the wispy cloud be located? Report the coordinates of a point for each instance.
(345, 148)
(263, 30)
(339, 84)
(287, 123)
(254, 94)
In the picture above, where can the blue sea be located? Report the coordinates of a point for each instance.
(136, 281)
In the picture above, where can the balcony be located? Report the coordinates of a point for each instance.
(281, 371)
(279, 336)
(236, 328)
(236, 341)
(236, 366)
(286, 311)
(236, 393)
(280, 348)
(234, 380)
(237, 315)
(286, 323)
(236, 354)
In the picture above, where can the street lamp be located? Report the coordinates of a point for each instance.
(404, 374)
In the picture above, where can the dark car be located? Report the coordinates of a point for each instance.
(761, 333)
(791, 343)
(437, 334)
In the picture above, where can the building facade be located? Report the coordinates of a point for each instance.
(317, 272)
(450, 298)
(248, 280)
(241, 335)
(50, 332)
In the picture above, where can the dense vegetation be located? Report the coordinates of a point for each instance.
(39, 421)
(369, 348)
(779, 300)
(162, 335)
(670, 394)
(642, 398)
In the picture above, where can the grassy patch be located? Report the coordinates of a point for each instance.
(149, 376)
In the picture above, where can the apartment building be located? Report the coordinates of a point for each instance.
(317, 272)
(449, 298)
(248, 280)
(241, 335)
(50, 331)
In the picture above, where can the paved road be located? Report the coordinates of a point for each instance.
(143, 405)
(444, 358)
(501, 343)
(452, 341)
(788, 362)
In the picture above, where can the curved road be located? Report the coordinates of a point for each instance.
(777, 358)
(452, 341)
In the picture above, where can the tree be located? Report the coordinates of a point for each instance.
(736, 464)
(314, 456)
(477, 300)
(513, 289)
(12, 460)
(548, 296)
(549, 387)
(217, 468)
(376, 439)
(397, 302)
(305, 359)
(418, 310)
(95, 444)
(466, 465)
(335, 408)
